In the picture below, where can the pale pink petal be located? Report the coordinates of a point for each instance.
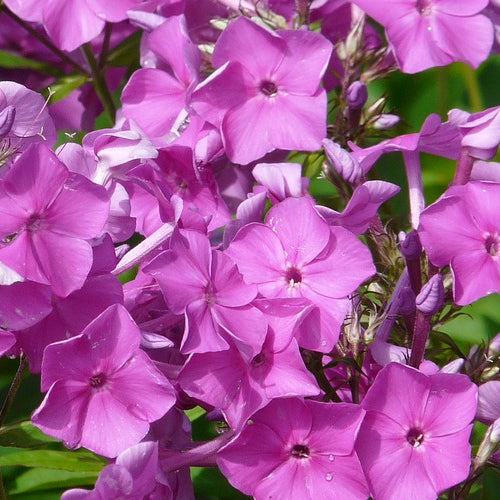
(112, 10)
(488, 409)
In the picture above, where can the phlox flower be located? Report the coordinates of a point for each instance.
(462, 230)
(298, 449)
(48, 216)
(414, 440)
(427, 33)
(296, 254)
(265, 103)
(205, 285)
(103, 391)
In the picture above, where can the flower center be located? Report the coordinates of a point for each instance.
(492, 244)
(424, 7)
(268, 88)
(258, 360)
(415, 437)
(300, 451)
(293, 276)
(34, 222)
(97, 381)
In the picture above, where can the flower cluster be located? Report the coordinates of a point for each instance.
(182, 258)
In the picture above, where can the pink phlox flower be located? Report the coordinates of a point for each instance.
(261, 104)
(414, 440)
(170, 71)
(428, 33)
(205, 285)
(132, 476)
(49, 214)
(298, 448)
(240, 387)
(462, 229)
(481, 133)
(296, 254)
(103, 391)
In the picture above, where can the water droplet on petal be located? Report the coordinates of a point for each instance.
(329, 476)
(323, 342)
(331, 457)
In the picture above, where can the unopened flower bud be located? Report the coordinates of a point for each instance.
(385, 121)
(488, 445)
(410, 244)
(431, 297)
(7, 116)
(344, 164)
(356, 95)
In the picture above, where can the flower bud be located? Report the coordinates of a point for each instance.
(410, 244)
(385, 121)
(7, 116)
(344, 164)
(356, 95)
(488, 445)
(431, 297)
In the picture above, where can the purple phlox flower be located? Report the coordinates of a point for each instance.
(7, 341)
(261, 104)
(488, 406)
(414, 440)
(462, 229)
(24, 119)
(297, 449)
(240, 387)
(345, 164)
(427, 33)
(103, 391)
(132, 476)
(485, 171)
(48, 216)
(362, 207)
(281, 180)
(170, 71)
(296, 254)
(68, 316)
(205, 285)
(481, 133)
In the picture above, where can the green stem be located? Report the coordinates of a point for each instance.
(3, 495)
(34, 33)
(103, 56)
(14, 386)
(99, 82)
(473, 89)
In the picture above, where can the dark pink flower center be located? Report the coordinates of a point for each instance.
(293, 276)
(415, 437)
(300, 451)
(268, 88)
(97, 381)
(424, 7)
(258, 360)
(208, 294)
(492, 244)
(34, 222)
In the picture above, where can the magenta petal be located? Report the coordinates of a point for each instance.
(148, 90)
(29, 10)
(394, 379)
(241, 34)
(297, 122)
(229, 287)
(488, 409)
(112, 10)
(70, 23)
(447, 459)
(305, 61)
(302, 231)
(35, 179)
(62, 412)
(258, 254)
(109, 427)
(201, 333)
(65, 262)
(246, 129)
(290, 480)
(113, 482)
(251, 457)
(80, 209)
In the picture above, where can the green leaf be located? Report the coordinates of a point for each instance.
(24, 435)
(10, 60)
(195, 413)
(126, 52)
(74, 461)
(210, 484)
(47, 479)
(64, 85)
